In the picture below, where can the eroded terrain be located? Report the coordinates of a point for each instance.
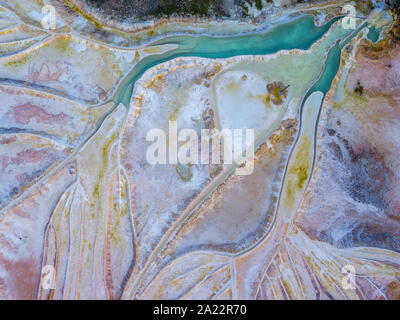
(79, 200)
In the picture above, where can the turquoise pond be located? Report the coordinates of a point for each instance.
(300, 33)
(373, 34)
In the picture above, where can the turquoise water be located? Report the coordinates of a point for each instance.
(373, 34)
(332, 64)
(300, 33)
